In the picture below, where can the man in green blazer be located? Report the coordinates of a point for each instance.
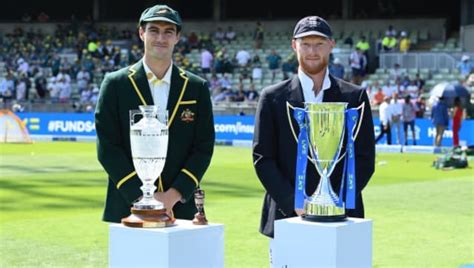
(155, 80)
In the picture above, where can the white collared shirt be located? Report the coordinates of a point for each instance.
(160, 88)
(307, 85)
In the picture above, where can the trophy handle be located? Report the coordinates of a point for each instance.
(132, 114)
(288, 113)
(356, 128)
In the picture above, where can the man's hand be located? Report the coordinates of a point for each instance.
(168, 198)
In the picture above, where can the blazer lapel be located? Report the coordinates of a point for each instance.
(179, 82)
(295, 93)
(333, 94)
(295, 100)
(139, 82)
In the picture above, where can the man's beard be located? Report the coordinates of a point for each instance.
(313, 69)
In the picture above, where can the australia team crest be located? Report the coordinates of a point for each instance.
(187, 116)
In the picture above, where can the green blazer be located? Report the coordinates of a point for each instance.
(191, 137)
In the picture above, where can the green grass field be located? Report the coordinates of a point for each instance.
(52, 194)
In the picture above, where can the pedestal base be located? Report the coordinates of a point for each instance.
(182, 245)
(300, 243)
(148, 218)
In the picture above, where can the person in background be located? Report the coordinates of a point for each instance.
(258, 35)
(182, 95)
(385, 117)
(440, 119)
(364, 45)
(396, 111)
(408, 117)
(337, 69)
(404, 42)
(457, 120)
(420, 104)
(465, 66)
(358, 62)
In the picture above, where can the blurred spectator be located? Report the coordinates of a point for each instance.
(337, 69)
(40, 83)
(405, 81)
(23, 66)
(240, 94)
(243, 58)
(230, 34)
(135, 54)
(82, 79)
(391, 31)
(458, 116)
(289, 66)
(396, 72)
(92, 48)
(22, 87)
(385, 117)
(85, 97)
(193, 40)
(7, 86)
(225, 82)
(388, 88)
(214, 85)
(440, 119)
(64, 90)
(274, 60)
(349, 41)
(420, 107)
(95, 95)
(219, 35)
(378, 97)
(411, 90)
(465, 66)
(363, 44)
(396, 123)
(408, 117)
(258, 35)
(419, 82)
(222, 64)
(257, 73)
(252, 93)
(206, 61)
(53, 89)
(389, 42)
(358, 63)
(404, 42)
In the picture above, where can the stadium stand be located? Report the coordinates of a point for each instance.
(44, 64)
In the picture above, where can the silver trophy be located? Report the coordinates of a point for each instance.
(149, 145)
(326, 128)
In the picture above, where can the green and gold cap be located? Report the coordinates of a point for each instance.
(161, 13)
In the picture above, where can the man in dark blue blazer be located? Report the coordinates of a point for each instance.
(275, 144)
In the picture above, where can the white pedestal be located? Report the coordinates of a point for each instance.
(183, 245)
(300, 243)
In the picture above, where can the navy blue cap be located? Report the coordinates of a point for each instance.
(312, 25)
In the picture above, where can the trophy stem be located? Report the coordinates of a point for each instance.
(148, 189)
(322, 205)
